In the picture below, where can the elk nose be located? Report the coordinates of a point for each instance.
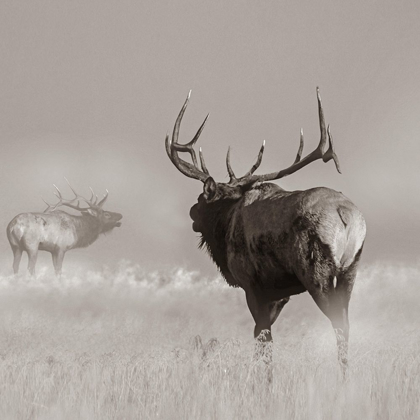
(193, 212)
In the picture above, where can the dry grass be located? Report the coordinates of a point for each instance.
(120, 345)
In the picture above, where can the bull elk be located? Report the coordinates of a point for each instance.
(275, 243)
(57, 231)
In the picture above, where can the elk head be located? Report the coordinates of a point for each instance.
(218, 197)
(107, 220)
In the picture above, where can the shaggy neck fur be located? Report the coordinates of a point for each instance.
(88, 229)
(213, 237)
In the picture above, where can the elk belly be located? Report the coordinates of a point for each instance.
(55, 236)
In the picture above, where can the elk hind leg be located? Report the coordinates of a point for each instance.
(333, 302)
(343, 290)
(338, 315)
(318, 278)
(17, 256)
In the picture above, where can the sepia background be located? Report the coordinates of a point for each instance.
(141, 325)
(90, 89)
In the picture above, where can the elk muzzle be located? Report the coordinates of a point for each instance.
(118, 218)
(194, 217)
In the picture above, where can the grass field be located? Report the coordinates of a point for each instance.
(122, 344)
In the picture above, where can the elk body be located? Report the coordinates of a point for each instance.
(57, 232)
(275, 243)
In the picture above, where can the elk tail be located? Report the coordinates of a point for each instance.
(355, 228)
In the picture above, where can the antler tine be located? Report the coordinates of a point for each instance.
(319, 151)
(299, 163)
(90, 203)
(175, 132)
(233, 180)
(93, 195)
(299, 153)
(173, 147)
(70, 202)
(72, 189)
(102, 202)
(323, 139)
(49, 206)
(189, 146)
(258, 162)
(330, 153)
(57, 193)
(232, 176)
(203, 163)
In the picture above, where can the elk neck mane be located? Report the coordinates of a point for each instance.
(219, 218)
(213, 239)
(87, 227)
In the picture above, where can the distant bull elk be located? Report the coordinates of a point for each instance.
(57, 232)
(275, 243)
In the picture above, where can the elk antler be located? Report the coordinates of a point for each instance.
(233, 180)
(93, 196)
(299, 163)
(173, 147)
(77, 197)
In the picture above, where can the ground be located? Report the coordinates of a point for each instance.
(123, 344)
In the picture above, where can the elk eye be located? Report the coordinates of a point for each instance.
(107, 215)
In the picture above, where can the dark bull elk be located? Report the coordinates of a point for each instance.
(57, 232)
(275, 243)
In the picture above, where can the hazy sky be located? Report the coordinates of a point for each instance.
(88, 90)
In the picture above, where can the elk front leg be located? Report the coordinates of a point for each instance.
(17, 255)
(261, 313)
(32, 256)
(57, 257)
(264, 314)
(276, 307)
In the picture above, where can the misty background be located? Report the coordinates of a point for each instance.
(88, 91)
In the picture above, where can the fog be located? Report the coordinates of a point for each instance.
(383, 308)
(90, 89)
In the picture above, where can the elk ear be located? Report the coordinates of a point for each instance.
(92, 212)
(210, 188)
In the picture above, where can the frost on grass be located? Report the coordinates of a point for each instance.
(126, 343)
